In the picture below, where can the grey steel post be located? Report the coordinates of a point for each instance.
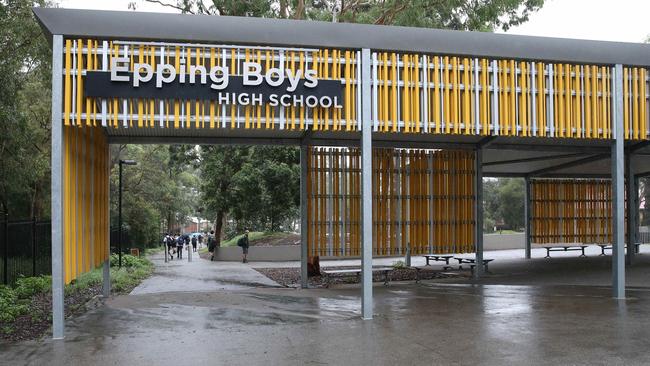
(632, 207)
(527, 205)
(106, 272)
(34, 243)
(366, 186)
(618, 164)
(304, 224)
(478, 212)
(58, 326)
(5, 251)
(189, 251)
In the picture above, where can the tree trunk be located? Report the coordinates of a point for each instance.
(218, 227)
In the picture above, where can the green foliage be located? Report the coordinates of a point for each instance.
(10, 307)
(14, 301)
(162, 187)
(399, 265)
(484, 15)
(24, 111)
(129, 261)
(258, 186)
(27, 287)
(253, 236)
(504, 201)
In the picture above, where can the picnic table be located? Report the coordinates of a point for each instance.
(562, 248)
(438, 258)
(386, 271)
(604, 247)
(472, 262)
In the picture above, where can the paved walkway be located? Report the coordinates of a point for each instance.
(227, 320)
(200, 275)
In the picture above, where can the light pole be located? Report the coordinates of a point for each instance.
(119, 209)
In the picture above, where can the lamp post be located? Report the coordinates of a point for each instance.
(119, 217)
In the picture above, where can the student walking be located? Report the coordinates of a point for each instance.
(194, 243)
(243, 243)
(170, 244)
(180, 240)
(212, 244)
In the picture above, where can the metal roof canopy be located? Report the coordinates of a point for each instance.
(129, 25)
(504, 156)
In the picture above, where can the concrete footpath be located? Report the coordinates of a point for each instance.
(179, 275)
(200, 313)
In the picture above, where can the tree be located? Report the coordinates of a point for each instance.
(235, 180)
(151, 195)
(482, 15)
(504, 201)
(24, 111)
(219, 166)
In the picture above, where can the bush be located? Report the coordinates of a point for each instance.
(10, 306)
(128, 261)
(399, 265)
(26, 287)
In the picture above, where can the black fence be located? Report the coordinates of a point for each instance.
(26, 249)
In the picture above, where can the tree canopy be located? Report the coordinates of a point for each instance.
(482, 15)
(24, 112)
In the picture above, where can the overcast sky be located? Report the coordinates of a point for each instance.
(610, 20)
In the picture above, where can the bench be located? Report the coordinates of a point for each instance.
(604, 247)
(438, 258)
(386, 271)
(472, 263)
(562, 248)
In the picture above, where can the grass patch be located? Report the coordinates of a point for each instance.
(26, 309)
(503, 232)
(254, 236)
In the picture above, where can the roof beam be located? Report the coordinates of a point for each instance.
(527, 160)
(569, 164)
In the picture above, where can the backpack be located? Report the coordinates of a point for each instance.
(241, 242)
(194, 240)
(211, 243)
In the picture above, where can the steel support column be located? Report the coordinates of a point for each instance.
(478, 212)
(106, 271)
(304, 224)
(366, 186)
(618, 167)
(527, 206)
(632, 208)
(58, 326)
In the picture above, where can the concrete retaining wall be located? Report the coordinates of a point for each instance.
(292, 252)
(255, 253)
(503, 241)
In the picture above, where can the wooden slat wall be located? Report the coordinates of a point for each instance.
(421, 198)
(571, 211)
(477, 96)
(85, 199)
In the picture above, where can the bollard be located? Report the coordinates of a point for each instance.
(407, 257)
(34, 246)
(5, 259)
(189, 253)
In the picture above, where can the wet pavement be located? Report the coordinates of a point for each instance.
(179, 275)
(445, 322)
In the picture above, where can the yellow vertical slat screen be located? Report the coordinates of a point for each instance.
(85, 199)
(529, 99)
(571, 211)
(86, 55)
(421, 198)
(414, 93)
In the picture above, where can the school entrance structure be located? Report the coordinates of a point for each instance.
(396, 126)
